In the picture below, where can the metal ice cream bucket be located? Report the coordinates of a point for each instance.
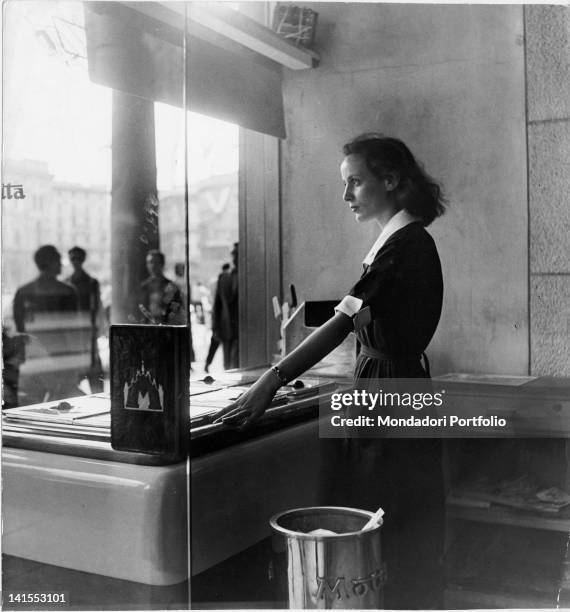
(340, 571)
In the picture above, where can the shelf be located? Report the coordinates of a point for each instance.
(234, 26)
(507, 567)
(457, 597)
(507, 516)
(504, 548)
(249, 33)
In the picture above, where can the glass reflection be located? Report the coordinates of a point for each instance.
(55, 208)
(213, 161)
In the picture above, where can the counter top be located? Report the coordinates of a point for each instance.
(81, 426)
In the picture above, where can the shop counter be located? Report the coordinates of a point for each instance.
(74, 503)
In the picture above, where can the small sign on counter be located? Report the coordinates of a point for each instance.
(150, 366)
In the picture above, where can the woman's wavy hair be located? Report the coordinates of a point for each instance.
(417, 192)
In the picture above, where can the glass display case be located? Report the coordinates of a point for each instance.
(140, 146)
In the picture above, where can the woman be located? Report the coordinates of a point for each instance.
(394, 310)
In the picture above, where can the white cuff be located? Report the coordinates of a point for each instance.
(349, 305)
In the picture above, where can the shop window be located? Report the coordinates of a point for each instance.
(109, 173)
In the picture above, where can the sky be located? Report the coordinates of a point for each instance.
(53, 113)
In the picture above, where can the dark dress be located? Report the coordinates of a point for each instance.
(403, 290)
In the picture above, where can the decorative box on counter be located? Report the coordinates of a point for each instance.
(150, 369)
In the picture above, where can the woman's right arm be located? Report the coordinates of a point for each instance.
(253, 403)
(316, 346)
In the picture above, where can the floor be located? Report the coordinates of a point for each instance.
(83, 591)
(254, 579)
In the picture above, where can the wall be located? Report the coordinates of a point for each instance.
(449, 81)
(548, 82)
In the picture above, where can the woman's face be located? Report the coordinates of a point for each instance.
(366, 194)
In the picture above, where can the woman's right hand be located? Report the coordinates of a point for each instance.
(251, 404)
(255, 401)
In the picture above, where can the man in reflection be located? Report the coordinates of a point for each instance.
(225, 313)
(47, 310)
(44, 294)
(214, 340)
(89, 297)
(160, 300)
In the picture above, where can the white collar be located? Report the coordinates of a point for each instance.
(396, 222)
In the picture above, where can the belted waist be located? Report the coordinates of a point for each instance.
(368, 351)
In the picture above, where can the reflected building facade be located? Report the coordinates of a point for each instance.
(213, 225)
(52, 212)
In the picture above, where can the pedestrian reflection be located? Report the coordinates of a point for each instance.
(160, 299)
(225, 318)
(56, 355)
(89, 297)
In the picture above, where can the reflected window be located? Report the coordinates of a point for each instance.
(57, 150)
(118, 251)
